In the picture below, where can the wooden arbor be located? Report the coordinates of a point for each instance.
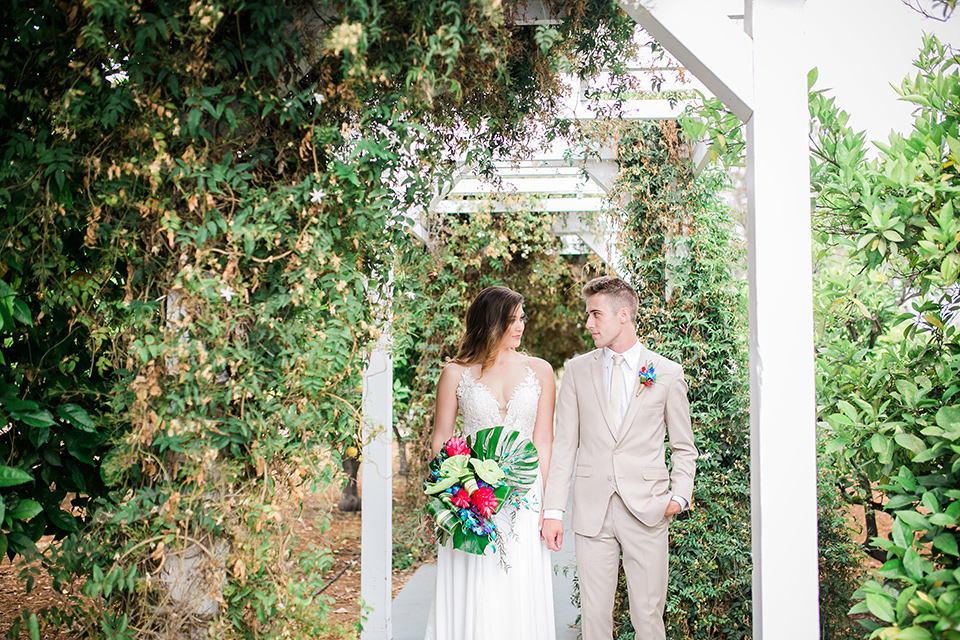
(760, 75)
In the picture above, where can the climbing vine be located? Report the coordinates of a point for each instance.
(680, 250)
(198, 200)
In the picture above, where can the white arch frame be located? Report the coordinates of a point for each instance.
(760, 76)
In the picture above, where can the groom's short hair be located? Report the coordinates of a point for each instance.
(620, 293)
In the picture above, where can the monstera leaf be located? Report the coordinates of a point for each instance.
(516, 456)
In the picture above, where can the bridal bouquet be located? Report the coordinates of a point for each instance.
(471, 480)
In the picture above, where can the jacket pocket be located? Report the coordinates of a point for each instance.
(584, 469)
(659, 473)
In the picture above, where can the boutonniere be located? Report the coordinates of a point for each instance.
(648, 375)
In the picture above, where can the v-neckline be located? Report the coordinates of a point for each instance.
(504, 409)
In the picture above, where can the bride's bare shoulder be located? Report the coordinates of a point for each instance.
(540, 366)
(452, 368)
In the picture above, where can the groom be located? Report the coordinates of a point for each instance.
(612, 421)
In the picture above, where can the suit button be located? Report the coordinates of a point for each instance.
(609, 478)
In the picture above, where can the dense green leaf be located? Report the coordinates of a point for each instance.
(76, 416)
(10, 476)
(880, 606)
(24, 510)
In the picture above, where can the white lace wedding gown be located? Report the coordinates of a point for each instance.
(477, 598)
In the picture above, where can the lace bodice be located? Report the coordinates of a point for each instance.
(480, 409)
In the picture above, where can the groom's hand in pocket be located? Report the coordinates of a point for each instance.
(673, 508)
(552, 533)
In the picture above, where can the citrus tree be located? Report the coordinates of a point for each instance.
(887, 302)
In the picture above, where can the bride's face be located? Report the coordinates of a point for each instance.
(514, 331)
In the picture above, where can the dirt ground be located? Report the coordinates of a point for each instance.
(342, 538)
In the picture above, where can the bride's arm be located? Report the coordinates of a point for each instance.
(445, 417)
(543, 427)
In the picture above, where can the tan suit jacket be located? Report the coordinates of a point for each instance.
(629, 460)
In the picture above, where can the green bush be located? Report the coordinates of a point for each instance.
(888, 350)
(198, 203)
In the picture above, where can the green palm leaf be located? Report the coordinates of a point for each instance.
(516, 456)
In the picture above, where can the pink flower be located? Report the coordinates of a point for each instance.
(457, 447)
(485, 501)
(461, 498)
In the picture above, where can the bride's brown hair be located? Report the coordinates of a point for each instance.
(487, 320)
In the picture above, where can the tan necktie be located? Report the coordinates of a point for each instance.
(616, 388)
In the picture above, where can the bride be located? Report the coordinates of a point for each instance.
(491, 597)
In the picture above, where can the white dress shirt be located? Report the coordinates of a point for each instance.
(630, 368)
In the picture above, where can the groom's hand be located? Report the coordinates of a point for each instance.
(673, 508)
(552, 533)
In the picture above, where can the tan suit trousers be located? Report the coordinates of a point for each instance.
(645, 563)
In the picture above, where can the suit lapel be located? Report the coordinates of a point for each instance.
(636, 399)
(600, 385)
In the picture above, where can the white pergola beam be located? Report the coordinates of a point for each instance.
(560, 185)
(706, 42)
(604, 173)
(601, 240)
(782, 389)
(653, 109)
(550, 205)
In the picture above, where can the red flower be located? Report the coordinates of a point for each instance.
(461, 498)
(648, 383)
(485, 501)
(457, 447)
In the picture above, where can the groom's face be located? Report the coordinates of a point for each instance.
(603, 321)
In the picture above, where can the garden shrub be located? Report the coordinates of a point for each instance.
(888, 368)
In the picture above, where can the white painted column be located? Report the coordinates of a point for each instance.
(376, 533)
(782, 391)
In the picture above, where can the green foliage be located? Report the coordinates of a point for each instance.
(719, 129)
(889, 355)
(199, 202)
(50, 439)
(680, 248)
(840, 558)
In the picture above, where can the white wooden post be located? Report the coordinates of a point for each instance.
(782, 389)
(376, 542)
(763, 81)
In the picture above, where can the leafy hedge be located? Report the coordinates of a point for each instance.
(889, 353)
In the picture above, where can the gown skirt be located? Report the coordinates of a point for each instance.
(478, 598)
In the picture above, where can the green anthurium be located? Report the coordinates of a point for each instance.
(452, 470)
(488, 471)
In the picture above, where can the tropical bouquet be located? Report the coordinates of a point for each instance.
(472, 480)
